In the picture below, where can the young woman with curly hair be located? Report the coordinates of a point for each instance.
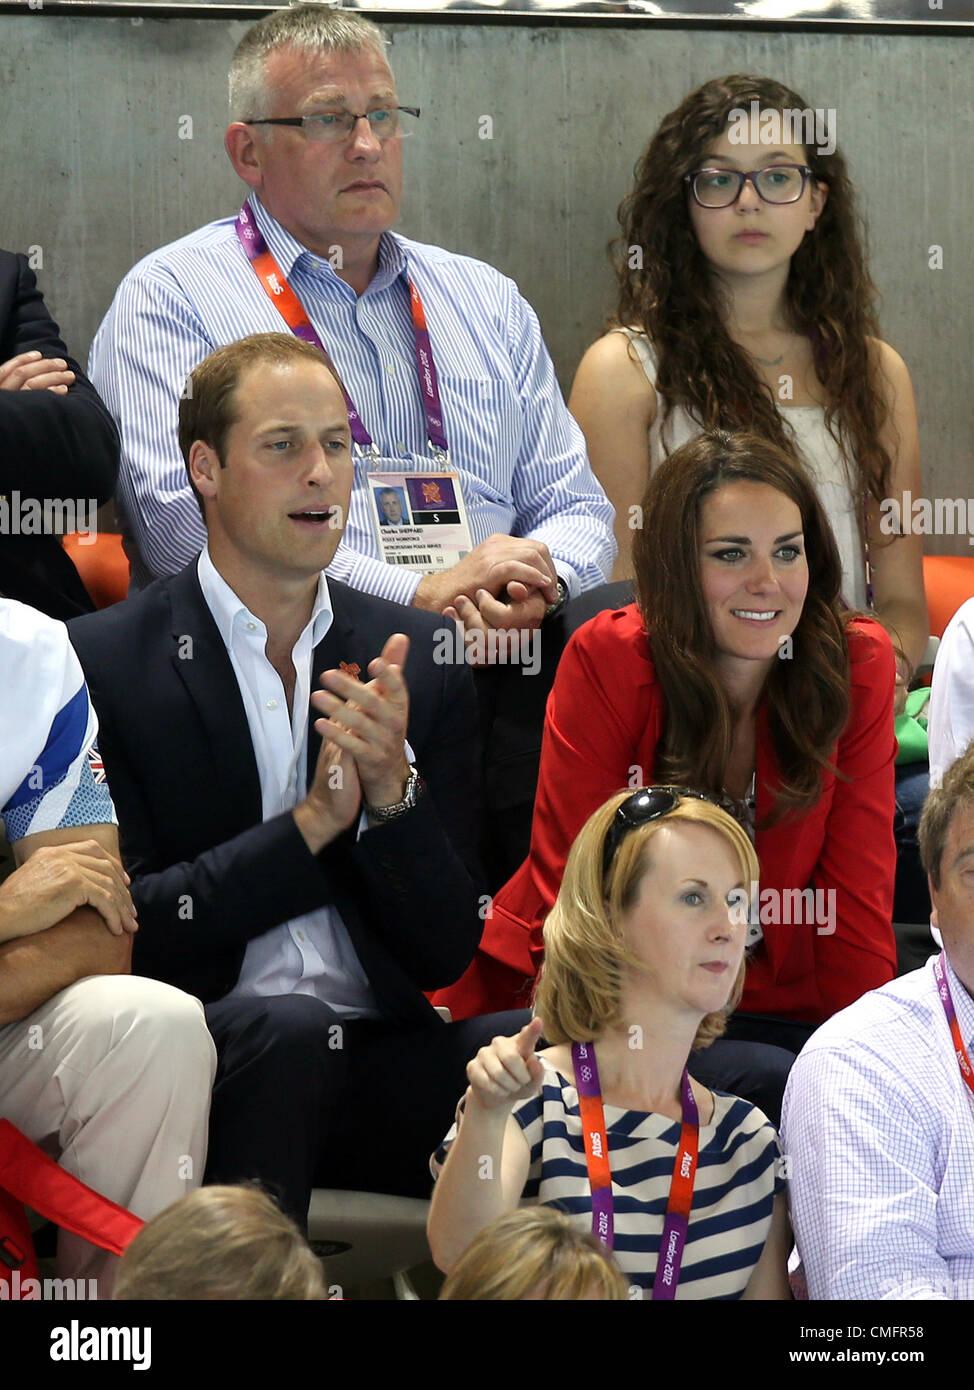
(745, 303)
(739, 672)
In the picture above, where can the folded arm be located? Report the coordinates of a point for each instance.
(37, 964)
(52, 444)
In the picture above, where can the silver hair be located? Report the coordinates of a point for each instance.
(307, 28)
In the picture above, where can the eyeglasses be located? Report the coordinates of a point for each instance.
(719, 188)
(334, 127)
(649, 803)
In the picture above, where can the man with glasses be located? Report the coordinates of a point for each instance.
(442, 362)
(440, 356)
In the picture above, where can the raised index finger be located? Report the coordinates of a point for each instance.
(528, 1037)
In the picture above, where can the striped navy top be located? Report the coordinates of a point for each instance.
(520, 455)
(737, 1180)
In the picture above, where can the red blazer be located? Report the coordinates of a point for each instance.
(603, 725)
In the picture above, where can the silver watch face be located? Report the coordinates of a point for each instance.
(409, 798)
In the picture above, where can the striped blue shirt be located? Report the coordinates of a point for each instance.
(519, 453)
(50, 773)
(736, 1182)
(878, 1124)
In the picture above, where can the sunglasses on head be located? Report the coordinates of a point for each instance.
(649, 803)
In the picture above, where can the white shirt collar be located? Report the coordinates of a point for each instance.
(227, 607)
(286, 250)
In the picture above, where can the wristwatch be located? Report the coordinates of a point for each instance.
(414, 785)
(561, 600)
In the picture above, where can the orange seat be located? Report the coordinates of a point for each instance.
(102, 564)
(949, 582)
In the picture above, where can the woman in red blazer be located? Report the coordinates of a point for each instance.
(740, 672)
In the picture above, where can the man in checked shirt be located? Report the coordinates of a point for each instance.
(878, 1115)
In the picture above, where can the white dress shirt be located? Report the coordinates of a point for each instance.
(878, 1127)
(951, 712)
(312, 954)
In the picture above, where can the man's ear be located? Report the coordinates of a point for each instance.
(242, 144)
(204, 468)
(933, 903)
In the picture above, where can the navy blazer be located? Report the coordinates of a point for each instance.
(208, 873)
(51, 446)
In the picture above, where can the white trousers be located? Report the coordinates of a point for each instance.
(112, 1078)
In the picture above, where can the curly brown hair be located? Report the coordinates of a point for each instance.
(807, 697)
(674, 300)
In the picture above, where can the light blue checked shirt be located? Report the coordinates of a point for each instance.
(878, 1129)
(519, 453)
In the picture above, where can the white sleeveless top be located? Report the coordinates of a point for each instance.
(817, 448)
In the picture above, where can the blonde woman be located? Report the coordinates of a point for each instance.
(536, 1255)
(644, 959)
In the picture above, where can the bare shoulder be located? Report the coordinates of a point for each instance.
(612, 363)
(892, 372)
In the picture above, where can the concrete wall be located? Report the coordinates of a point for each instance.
(97, 175)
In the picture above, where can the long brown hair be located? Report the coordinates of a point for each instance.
(807, 695)
(673, 299)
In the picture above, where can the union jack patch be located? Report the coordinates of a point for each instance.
(95, 765)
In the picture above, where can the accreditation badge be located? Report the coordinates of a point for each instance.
(419, 519)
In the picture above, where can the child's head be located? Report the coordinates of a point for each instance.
(661, 216)
(534, 1253)
(684, 250)
(220, 1243)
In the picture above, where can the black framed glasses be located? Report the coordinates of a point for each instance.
(334, 127)
(720, 188)
(649, 803)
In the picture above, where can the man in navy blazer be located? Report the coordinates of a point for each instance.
(307, 878)
(58, 447)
